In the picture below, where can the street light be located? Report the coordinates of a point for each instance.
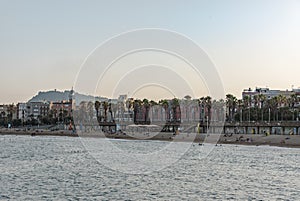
(206, 124)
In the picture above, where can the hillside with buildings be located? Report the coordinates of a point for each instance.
(57, 96)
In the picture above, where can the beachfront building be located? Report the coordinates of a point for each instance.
(62, 106)
(8, 111)
(3, 111)
(267, 93)
(22, 112)
(37, 109)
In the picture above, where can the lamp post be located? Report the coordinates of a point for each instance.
(206, 124)
(269, 114)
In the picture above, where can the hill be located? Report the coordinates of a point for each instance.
(55, 96)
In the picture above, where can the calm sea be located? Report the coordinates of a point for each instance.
(63, 168)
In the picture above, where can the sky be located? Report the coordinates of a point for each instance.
(44, 43)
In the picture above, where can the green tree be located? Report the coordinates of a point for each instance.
(231, 102)
(105, 107)
(262, 98)
(176, 112)
(247, 104)
(146, 106)
(97, 107)
(165, 105)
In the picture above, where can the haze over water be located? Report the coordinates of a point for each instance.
(36, 168)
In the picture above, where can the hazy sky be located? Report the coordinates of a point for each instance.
(43, 43)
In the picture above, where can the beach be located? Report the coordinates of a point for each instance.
(291, 141)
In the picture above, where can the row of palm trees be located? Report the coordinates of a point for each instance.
(249, 108)
(261, 108)
(106, 108)
(143, 111)
(138, 110)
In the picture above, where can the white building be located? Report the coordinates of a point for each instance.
(22, 112)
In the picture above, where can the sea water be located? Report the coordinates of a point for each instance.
(63, 168)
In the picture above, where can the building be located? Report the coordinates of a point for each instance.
(8, 111)
(65, 107)
(22, 112)
(268, 93)
(37, 109)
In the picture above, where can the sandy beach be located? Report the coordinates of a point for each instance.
(292, 141)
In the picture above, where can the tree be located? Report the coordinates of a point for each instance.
(146, 106)
(281, 103)
(176, 112)
(231, 102)
(247, 104)
(208, 106)
(262, 98)
(165, 105)
(105, 107)
(10, 110)
(201, 103)
(154, 110)
(273, 106)
(256, 104)
(240, 106)
(293, 100)
(137, 111)
(97, 107)
(110, 110)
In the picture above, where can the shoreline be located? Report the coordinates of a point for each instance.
(290, 141)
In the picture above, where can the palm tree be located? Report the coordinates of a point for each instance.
(146, 106)
(219, 107)
(137, 111)
(154, 110)
(110, 109)
(262, 99)
(273, 106)
(176, 112)
(281, 103)
(10, 111)
(231, 102)
(256, 104)
(207, 100)
(105, 107)
(201, 102)
(293, 101)
(129, 105)
(247, 104)
(90, 111)
(165, 105)
(97, 107)
(240, 105)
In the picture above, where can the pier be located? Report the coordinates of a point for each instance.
(280, 128)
